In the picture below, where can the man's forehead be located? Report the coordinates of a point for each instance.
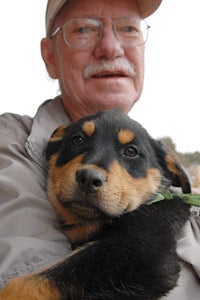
(97, 8)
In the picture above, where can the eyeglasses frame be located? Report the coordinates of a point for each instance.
(60, 28)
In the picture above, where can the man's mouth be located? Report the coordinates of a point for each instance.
(109, 75)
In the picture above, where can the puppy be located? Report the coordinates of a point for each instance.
(104, 171)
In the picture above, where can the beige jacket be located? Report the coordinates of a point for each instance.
(29, 239)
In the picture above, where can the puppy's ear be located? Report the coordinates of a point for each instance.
(171, 166)
(55, 141)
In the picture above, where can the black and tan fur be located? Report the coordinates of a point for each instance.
(103, 170)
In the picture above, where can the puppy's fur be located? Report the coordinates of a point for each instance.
(103, 171)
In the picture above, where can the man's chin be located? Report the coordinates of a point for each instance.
(113, 100)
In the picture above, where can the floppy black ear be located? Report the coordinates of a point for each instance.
(55, 141)
(172, 168)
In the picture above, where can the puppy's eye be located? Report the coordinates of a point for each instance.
(77, 140)
(130, 151)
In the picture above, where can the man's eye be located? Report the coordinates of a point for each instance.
(130, 151)
(87, 30)
(128, 29)
(83, 30)
(77, 140)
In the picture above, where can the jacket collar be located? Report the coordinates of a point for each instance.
(50, 115)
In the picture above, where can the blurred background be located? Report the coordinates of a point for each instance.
(169, 106)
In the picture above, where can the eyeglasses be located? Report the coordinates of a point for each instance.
(86, 32)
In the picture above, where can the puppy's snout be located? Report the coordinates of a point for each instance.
(89, 180)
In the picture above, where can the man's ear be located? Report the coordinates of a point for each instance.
(171, 166)
(55, 141)
(48, 55)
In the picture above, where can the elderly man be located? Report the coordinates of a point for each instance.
(95, 48)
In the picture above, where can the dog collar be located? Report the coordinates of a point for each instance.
(192, 199)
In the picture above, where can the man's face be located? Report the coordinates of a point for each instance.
(83, 94)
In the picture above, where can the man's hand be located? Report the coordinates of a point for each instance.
(195, 190)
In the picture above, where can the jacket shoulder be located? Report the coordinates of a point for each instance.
(14, 127)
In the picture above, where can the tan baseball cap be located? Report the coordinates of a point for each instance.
(146, 8)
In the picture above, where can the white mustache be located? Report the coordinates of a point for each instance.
(119, 65)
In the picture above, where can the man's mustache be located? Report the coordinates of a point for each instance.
(118, 66)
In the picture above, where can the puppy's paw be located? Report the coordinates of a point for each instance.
(29, 288)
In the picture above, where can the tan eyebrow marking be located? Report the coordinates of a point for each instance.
(88, 127)
(125, 136)
(58, 134)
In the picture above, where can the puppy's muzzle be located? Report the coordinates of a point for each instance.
(90, 181)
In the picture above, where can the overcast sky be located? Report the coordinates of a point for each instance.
(169, 105)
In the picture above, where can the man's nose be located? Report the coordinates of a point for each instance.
(108, 45)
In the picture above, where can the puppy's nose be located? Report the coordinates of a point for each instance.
(89, 180)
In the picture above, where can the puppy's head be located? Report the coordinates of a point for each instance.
(105, 165)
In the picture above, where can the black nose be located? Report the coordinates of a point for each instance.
(88, 180)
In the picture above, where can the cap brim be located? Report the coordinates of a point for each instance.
(147, 7)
